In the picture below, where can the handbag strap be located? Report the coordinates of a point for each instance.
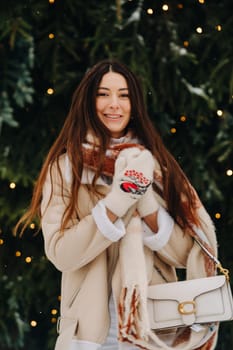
(218, 264)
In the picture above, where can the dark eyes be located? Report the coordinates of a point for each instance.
(102, 94)
(106, 94)
(124, 95)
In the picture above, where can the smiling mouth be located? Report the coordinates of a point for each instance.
(113, 116)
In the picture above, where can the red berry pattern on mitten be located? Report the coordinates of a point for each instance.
(136, 183)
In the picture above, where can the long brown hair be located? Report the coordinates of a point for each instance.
(82, 117)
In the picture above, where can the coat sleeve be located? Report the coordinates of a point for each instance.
(81, 242)
(177, 249)
(180, 246)
(170, 243)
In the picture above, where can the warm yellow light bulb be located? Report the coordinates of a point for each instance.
(173, 130)
(218, 27)
(51, 36)
(150, 11)
(51, 1)
(217, 215)
(229, 172)
(219, 113)
(54, 311)
(165, 7)
(18, 253)
(199, 30)
(32, 226)
(186, 43)
(33, 323)
(12, 185)
(28, 259)
(183, 118)
(1, 241)
(50, 91)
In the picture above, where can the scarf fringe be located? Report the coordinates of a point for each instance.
(132, 313)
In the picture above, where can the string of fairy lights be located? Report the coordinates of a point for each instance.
(183, 118)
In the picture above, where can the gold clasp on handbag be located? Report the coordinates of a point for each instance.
(224, 271)
(181, 308)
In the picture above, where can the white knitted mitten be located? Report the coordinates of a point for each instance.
(147, 204)
(133, 176)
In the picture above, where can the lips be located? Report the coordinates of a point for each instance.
(113, 116)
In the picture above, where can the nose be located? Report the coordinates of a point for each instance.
(114, 101)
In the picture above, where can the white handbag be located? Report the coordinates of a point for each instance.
(197, 301)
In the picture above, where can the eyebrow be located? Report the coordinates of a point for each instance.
(105, 88)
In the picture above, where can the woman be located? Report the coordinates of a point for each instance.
(117, 213)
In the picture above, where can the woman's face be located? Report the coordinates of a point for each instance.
(113, 104)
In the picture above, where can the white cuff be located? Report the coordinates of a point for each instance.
(113, 231)
(156, 241)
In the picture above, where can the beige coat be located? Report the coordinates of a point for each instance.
(86, 259)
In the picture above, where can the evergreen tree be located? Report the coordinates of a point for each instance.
(181, 50)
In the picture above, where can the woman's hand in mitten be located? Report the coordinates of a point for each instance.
(133, 176)
(148, 204)
(147, 208)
